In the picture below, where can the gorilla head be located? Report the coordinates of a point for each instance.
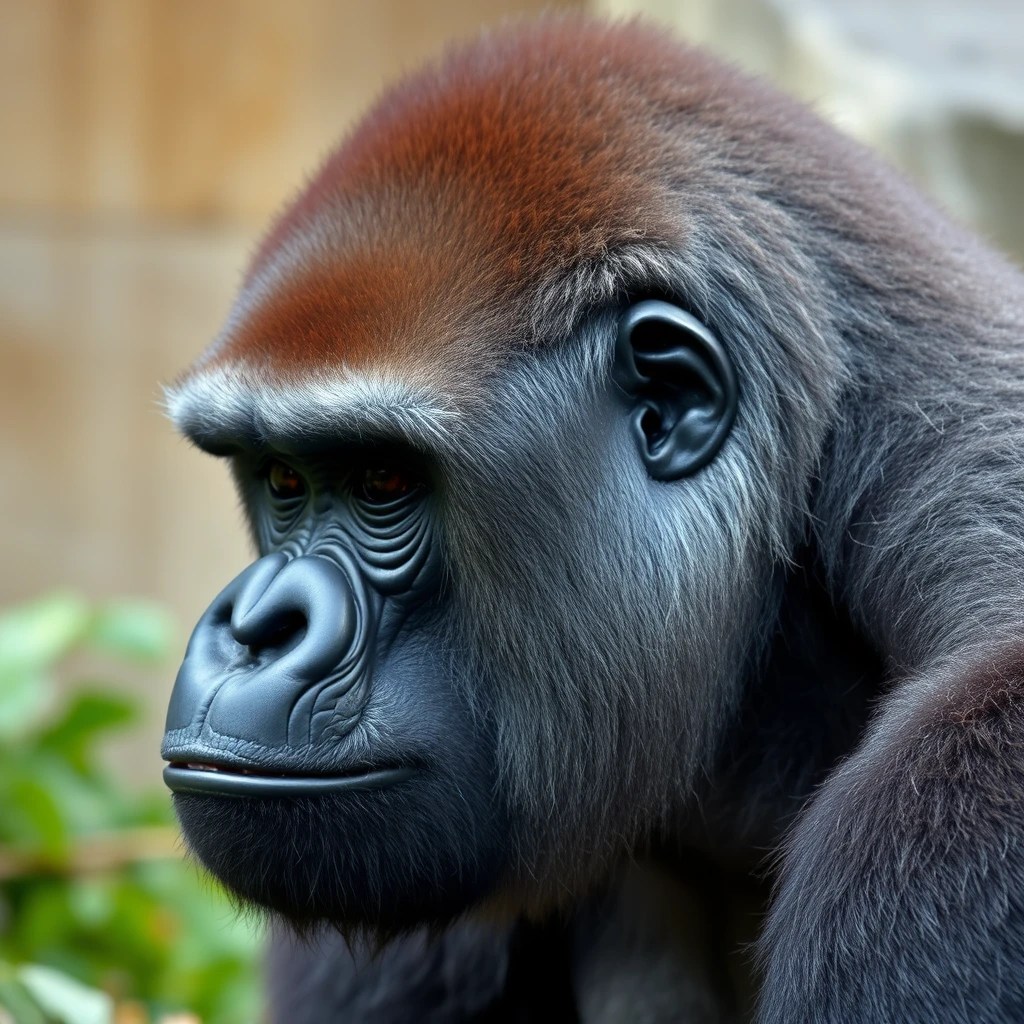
(574, 367)
(507, 546)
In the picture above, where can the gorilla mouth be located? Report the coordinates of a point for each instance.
(233, 780)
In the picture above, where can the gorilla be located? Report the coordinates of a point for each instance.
(636, 470)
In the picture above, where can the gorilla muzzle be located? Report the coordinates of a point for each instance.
(276, 672)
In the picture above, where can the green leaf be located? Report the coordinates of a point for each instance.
(25, 699)
(65, 999)
(82, 801)
(40, 921)
(91, 901)
(31, 814)
(18, 1001)
(34, 636)
(133, 629)
(90, 712)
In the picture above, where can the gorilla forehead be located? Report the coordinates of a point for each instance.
(485, 203)
(427, 232)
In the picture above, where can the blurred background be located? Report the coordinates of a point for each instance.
(143, 145)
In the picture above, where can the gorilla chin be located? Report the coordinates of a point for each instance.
(376, 862)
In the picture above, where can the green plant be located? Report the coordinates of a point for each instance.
(92, 880)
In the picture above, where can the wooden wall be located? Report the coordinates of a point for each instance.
(196, 109)
(143, 144)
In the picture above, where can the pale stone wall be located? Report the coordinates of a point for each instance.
(935, 85)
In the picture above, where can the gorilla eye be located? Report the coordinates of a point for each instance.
(283, 481)
(381, 484)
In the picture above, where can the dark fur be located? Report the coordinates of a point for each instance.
(679, 666)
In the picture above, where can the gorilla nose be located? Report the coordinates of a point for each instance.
(303, 606)
(280, 644)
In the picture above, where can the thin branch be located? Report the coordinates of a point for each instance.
(102, 852)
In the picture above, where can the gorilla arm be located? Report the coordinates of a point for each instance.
(900, 888)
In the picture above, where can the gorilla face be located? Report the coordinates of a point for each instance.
(422, 693)
(325, 762)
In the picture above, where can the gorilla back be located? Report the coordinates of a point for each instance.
(634, 465)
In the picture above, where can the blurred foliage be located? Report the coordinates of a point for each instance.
(101, 920)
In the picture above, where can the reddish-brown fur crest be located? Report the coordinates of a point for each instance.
(469, 185)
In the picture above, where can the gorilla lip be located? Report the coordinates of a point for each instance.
(202, 777)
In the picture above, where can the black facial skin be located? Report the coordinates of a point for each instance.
(310, 730)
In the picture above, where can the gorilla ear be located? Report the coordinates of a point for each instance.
(682, 386)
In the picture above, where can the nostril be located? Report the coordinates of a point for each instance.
(303, 610)
(284, 631)
(288, 630)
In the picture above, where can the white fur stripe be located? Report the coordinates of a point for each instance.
(224, 401)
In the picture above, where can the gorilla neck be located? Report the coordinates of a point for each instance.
(818, 668)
